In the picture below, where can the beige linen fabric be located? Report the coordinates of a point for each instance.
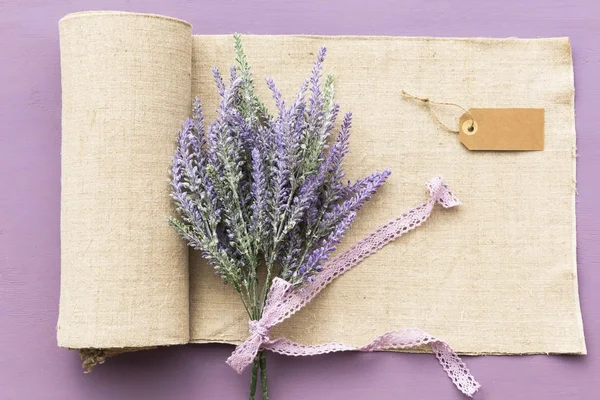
(495, 276)
(126, 90)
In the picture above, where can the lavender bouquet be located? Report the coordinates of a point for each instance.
(257, 190)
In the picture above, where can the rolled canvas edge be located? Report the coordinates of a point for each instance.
(84, 14)
(94, 352)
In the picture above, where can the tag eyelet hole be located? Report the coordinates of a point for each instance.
(469, 127)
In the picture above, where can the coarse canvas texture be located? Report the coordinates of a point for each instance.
(125, 92)
(497, 275)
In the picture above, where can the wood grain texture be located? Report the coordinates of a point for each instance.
(33, 367)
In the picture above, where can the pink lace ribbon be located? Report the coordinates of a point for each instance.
(283, 301)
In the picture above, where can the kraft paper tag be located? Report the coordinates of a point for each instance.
(507, 129)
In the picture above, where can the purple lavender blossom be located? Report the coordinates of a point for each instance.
(259, 219)
(333, 162)
(316, 112)
(357, 195)
(260, 189)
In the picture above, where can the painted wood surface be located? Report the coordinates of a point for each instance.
(32, 367)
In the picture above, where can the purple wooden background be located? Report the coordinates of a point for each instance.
(32, 367)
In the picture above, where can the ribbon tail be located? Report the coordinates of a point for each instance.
(410, 338)
(243, 354)
(441, 193)
(455, 368)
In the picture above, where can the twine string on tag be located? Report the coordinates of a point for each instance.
(428, 102)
